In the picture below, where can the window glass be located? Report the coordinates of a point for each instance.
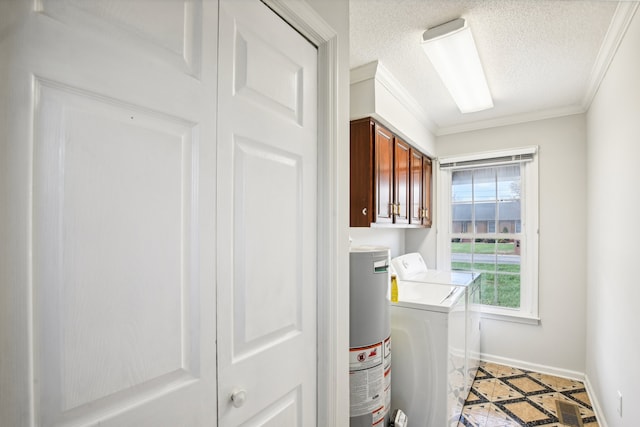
(508, 200)
(461, 197)
(485, 230)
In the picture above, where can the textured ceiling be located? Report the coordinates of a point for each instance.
(539, 56)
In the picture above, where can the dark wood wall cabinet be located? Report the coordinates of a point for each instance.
(390, 179)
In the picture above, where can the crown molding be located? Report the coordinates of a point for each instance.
(375, 70)
(363, 72)
(511, 120)
(618, 28)
(404, 97)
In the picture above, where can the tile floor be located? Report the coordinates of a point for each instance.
(502, 396)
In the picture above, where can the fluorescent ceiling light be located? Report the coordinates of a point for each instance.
(452, 51)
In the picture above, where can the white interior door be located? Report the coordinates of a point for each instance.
(267, 190)
(109, 302)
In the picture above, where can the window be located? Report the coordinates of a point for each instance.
(488, 205)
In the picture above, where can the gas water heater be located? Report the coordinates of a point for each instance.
(369, 337)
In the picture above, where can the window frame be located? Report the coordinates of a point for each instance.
(529, 231)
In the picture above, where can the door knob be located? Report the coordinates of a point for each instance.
(238, 397)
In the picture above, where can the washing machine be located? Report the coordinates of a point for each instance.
(433, 335)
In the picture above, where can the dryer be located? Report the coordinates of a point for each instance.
(431, 329)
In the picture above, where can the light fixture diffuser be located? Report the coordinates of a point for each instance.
(452, 51)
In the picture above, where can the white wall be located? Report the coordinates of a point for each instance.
(613, 293)
(388, 237)
(557, 344)
(399, 240)
(423, 240)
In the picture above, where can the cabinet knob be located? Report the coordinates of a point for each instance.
(238, 397)
(364, 211)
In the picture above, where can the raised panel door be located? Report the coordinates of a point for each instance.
(267, 216)
(110, 298)
(383, 175)
(417, 182)
(401, 186)
(361, 167)
(426, 192)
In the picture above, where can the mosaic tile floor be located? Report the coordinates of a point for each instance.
(502, 396)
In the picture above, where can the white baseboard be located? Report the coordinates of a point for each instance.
(550, 370)
(543, 369)
(597, 409)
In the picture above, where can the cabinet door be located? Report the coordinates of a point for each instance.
(401, 181)
(383, 180)
(417, 185)
(361, 204)
(426, 192)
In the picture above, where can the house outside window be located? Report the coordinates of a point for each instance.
(488, 207)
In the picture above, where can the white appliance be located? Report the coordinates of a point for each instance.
(436, 341)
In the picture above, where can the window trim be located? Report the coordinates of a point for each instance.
(529, 286)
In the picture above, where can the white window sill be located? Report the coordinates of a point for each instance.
(508, 316)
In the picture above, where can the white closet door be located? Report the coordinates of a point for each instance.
(108, 300)
(267, 191)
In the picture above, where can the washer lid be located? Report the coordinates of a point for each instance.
(428, 296)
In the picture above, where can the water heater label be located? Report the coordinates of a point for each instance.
(366, 392)
(366, 381)
(369, 375)
(365, 357)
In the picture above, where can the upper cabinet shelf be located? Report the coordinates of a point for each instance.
(390, 179)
